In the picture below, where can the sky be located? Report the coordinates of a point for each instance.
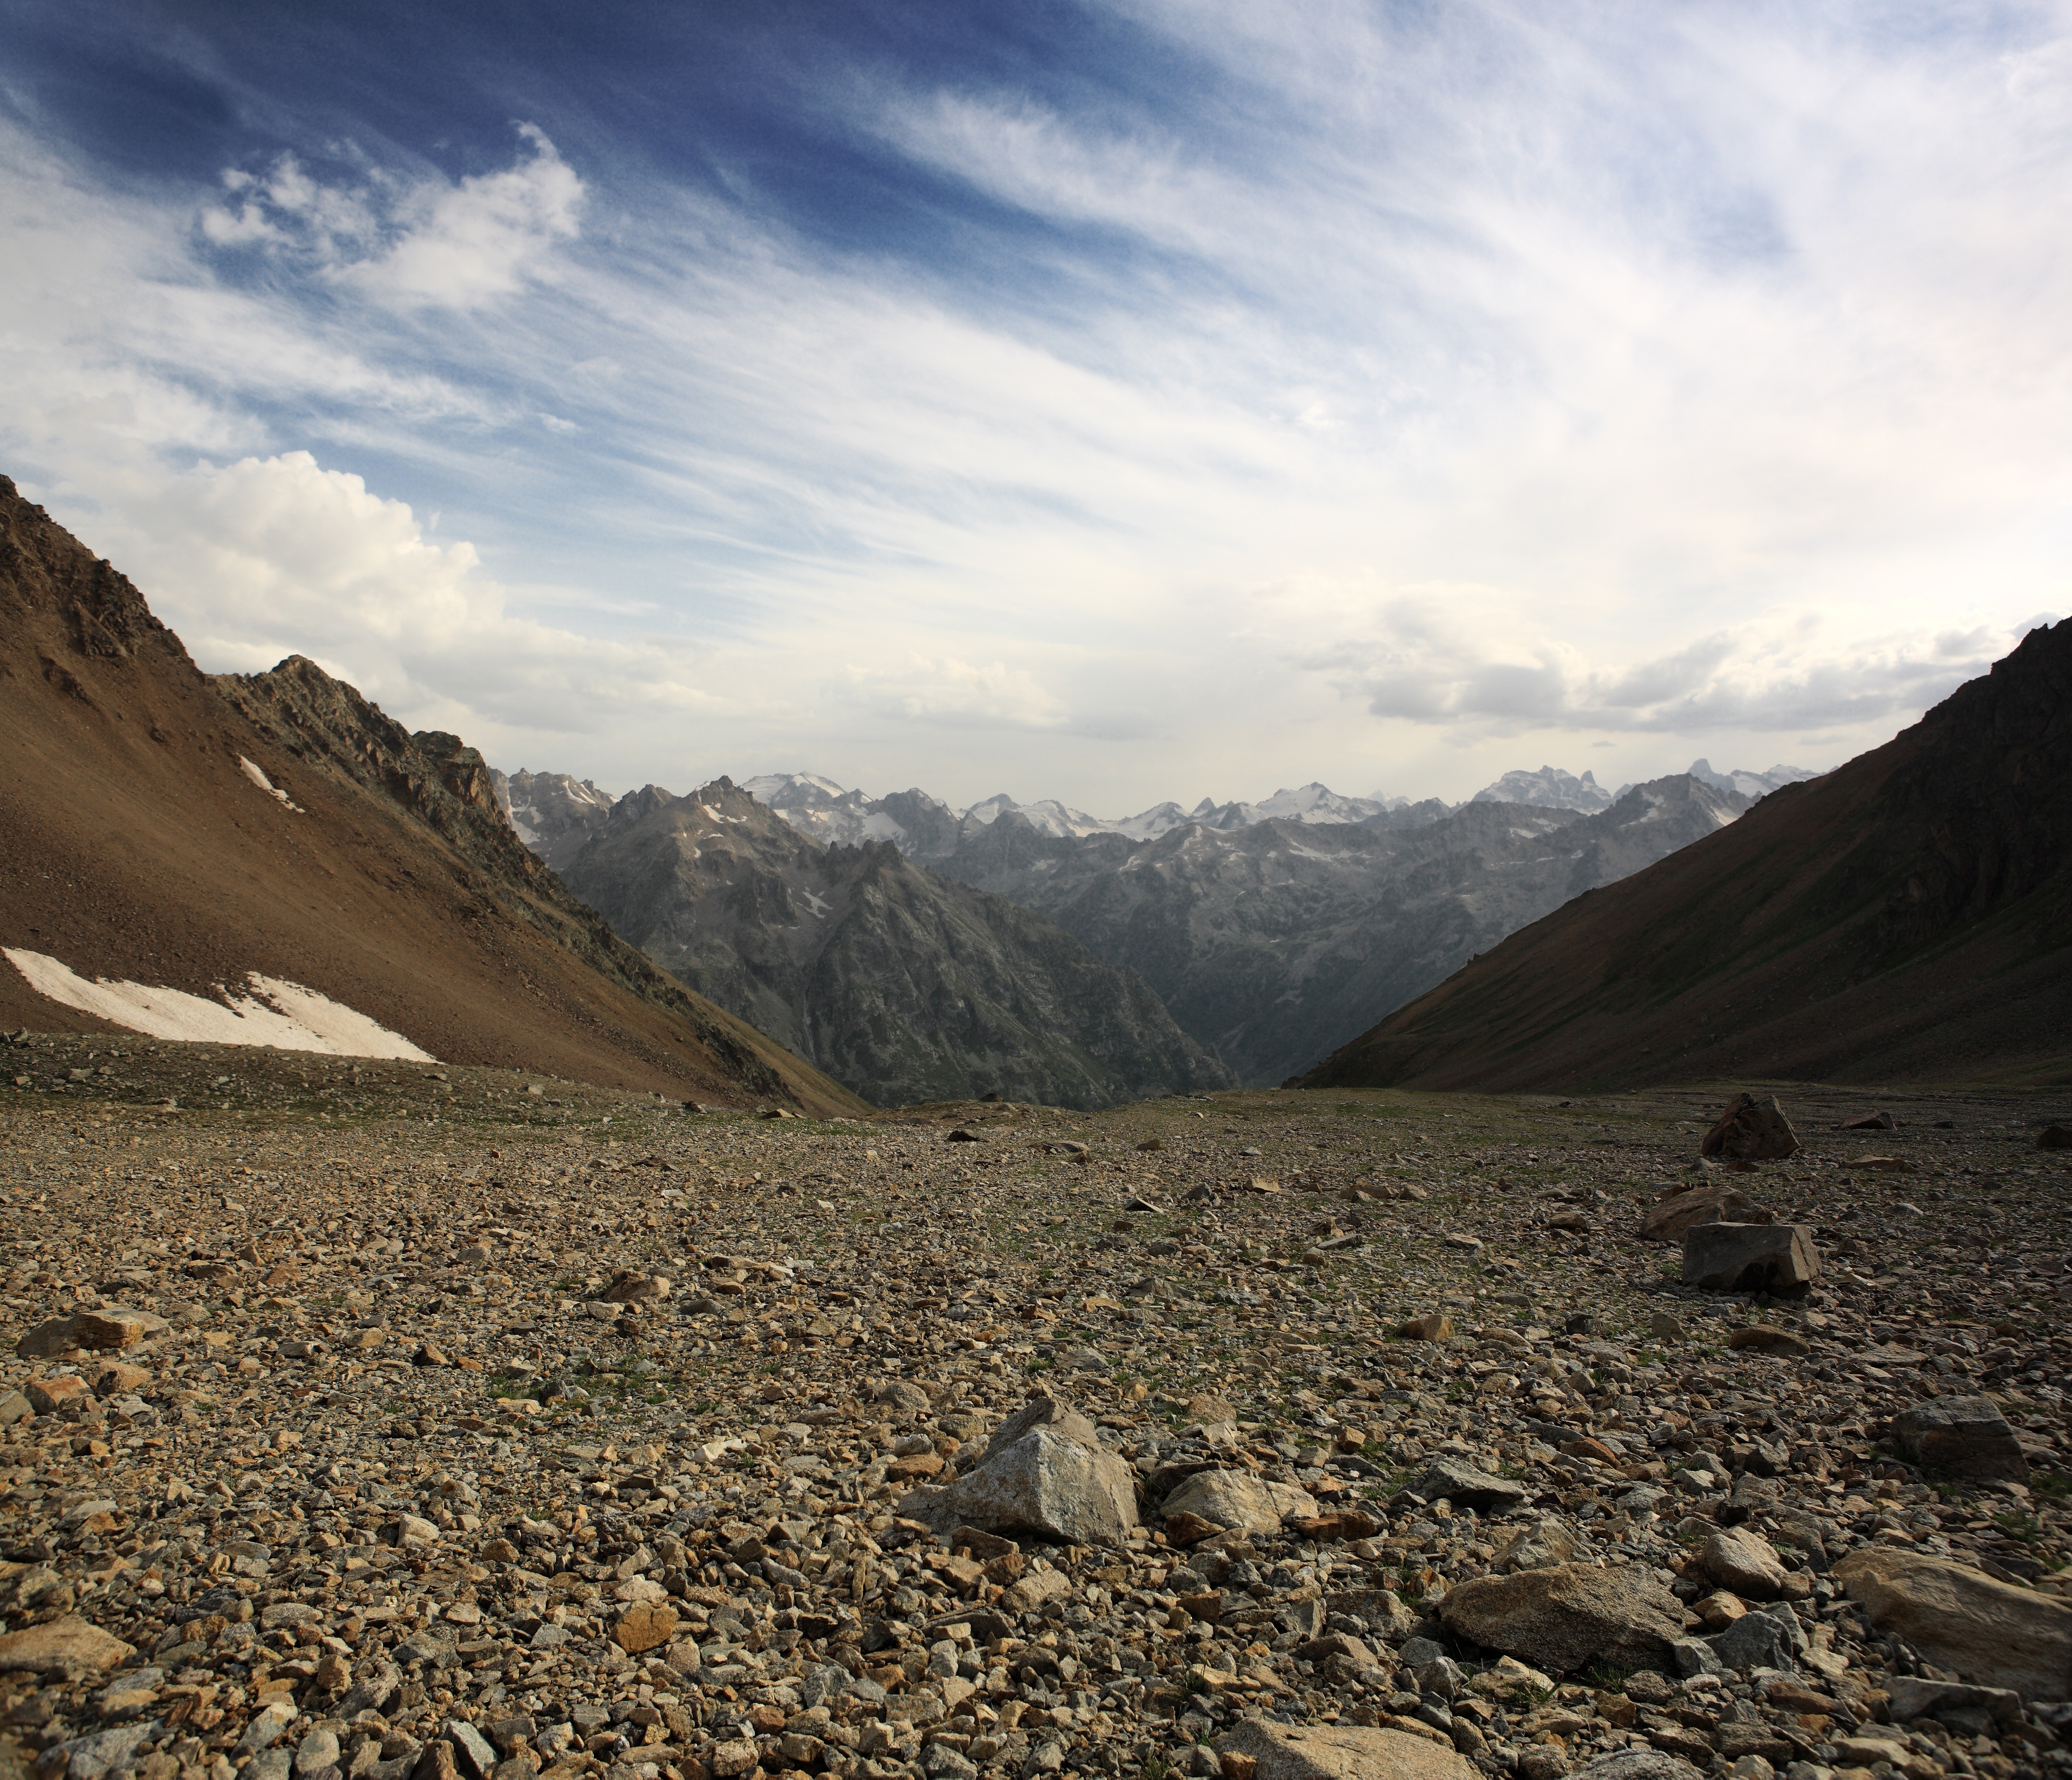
(1113, 401)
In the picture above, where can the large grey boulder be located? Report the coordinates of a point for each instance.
(1342, 1752)
(1045, 1471)
(1752, 1130)
(1238, 1499)
(1988, 1633)
(1770, 1640)
(1962, 1436)
(1464, 1485)
(1564, 1618)
(1776, 1258)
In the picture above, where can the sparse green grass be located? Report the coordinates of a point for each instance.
(2018, 1524)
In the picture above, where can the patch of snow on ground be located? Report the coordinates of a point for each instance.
(282, 1014)
(252, 772)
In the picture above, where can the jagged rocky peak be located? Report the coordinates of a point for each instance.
(44, 568)
(919, 825)
(853, 951)
(554, 813)
(925, 827)
(1553, 788)
(1550, 788)
(1750, 783)
(1267, 938)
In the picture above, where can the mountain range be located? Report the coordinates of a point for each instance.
(905, 984)
(1269, 940)
(1273, 942)
(1906, 917)
(271, 859)
(554, 813)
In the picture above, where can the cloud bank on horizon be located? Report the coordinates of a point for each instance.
(1109, 401)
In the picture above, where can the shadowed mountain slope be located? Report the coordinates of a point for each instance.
(1907, 917)
(138, 843)
(905, 984)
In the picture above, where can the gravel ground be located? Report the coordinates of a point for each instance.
(404, 1420)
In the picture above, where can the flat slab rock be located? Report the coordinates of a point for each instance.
(1564, 1618)
(1989, 1633)
(1464, 1485)
(1636, 1765)
(108, 1329)
(1343, 1752)
(59, 1642)
(1708, 1203)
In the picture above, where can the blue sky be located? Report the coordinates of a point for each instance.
(1111, 402)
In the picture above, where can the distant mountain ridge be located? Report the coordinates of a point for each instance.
(1272, 943)
(1550, 788)
(901, 984)
(925, 827)
(555, 813)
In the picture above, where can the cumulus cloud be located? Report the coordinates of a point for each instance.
(408, 242)
(277, 556)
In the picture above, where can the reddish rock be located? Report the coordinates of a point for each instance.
(1709, 1201)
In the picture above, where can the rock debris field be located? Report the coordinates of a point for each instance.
(398, 1421)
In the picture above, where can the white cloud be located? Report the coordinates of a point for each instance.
(482, 238)
(272, 556)
(956, 694)
(409, 243)
(1640, 374)
(1427, 656)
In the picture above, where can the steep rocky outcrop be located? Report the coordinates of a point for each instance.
(1272, 943)
(904, 985)
(447, 786)
(1907, 916)
(162, 830)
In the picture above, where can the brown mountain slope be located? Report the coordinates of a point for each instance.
(134, 845)
(1908, 917)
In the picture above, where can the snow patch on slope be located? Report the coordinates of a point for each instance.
(274, 1011)
(252, 771)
